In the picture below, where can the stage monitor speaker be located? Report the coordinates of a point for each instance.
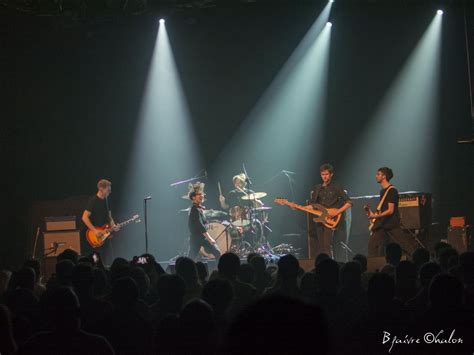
(56, 242)
(415, 210)
(459, 238)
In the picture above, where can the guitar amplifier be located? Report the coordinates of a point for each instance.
(459, 238)
(415, 210)
(56, 242)
(60, 223)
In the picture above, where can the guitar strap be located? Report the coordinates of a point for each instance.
(379, 206)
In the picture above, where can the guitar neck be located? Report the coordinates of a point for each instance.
(304, 208)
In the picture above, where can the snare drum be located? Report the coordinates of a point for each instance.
(218, 232)
(239, 216)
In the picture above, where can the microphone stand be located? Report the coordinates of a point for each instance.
(180, 182)
(145, 200)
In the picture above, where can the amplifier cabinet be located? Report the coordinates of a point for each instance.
(415, 210)
(459, 238)
(56, 242)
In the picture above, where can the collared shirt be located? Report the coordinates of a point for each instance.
(196, 221)
(330, 196)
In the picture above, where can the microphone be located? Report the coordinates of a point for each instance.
(55, 245)
(288, 172)
(147, 198)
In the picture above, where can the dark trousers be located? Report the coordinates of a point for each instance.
(196, 242)
(329, 241)
(381, 237)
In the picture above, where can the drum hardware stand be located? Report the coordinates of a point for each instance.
(346, 247)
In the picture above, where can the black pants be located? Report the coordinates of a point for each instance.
(381, 237)
(198, 241)
(329, 240)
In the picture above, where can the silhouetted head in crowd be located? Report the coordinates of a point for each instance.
(251, 256)
(406, 280)
(351, 276)
(171, 290)
(7, 342)
(447, 258)
(142, 280)
(219, 294)
(466, 267)
(124, 293)
(258, 263)
(23, 278)
(393, 253)
(228, 266)
(197, 326)
(100, 282)
(327, 277)
(83, 279)
(380, 292)
(64, 270)
(446, 292)
(120, 268)
(278, 318)
(63, 307)
(427, 272)
(36, 266)
(362, 260)
(68, 254)
(202, 272)
(246, 273)
(197, 314)
(439, 247)
(186, 268)
(420, 256)
(288, 267)
(320, 257)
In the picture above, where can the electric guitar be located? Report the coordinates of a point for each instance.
(98, 239)
(373, 222)
(315, 209)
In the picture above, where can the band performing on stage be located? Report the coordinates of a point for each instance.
(242, 224)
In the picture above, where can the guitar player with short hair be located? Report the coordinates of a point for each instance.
(386, 220)
(331, 195)
(97, 212)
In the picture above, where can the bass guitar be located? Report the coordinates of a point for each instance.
(98, 239)
(321, 212)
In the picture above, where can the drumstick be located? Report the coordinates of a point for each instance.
(219, 186)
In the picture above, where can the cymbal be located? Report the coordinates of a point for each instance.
(254, 196)
(263, 208)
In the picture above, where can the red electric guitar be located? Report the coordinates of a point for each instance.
(98, 239)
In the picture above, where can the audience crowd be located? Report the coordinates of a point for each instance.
(420, 305)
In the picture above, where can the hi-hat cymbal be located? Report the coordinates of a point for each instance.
(254, 196)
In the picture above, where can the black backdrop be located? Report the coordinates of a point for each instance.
(66, 83)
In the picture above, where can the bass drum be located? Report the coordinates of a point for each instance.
(218, 232)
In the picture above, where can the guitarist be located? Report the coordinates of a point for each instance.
(331, 195)
(386, 221)
(199, 236)
(97, 212)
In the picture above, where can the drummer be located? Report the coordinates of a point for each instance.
(234, 197)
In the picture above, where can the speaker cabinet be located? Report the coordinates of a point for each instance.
(459, 238)
(56, 242)
(415, 210)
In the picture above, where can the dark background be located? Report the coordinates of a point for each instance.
(72, 88)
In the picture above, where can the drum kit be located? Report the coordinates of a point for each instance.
(241, 230)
